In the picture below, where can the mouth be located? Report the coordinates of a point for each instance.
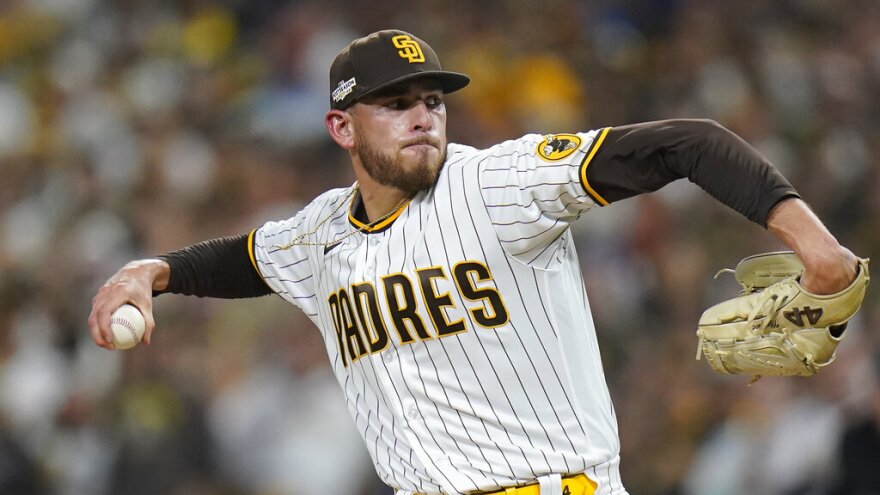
(419, 146)
(418, 143)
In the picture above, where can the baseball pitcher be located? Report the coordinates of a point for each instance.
(446, 284)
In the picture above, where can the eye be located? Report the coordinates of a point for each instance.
(433, 101)
(395, 104)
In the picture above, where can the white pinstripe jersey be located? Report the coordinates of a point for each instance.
(459, 328)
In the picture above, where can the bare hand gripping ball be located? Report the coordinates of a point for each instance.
(128, 326)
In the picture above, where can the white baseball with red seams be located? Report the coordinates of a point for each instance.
(128, 326)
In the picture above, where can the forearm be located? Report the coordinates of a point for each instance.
(829, 267)
(795, 224)
(217, 268)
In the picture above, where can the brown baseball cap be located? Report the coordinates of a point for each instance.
(381, 59)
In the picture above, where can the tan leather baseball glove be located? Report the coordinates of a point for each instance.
(775, 327)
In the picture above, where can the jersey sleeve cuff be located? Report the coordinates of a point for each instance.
(250, 246)
(594, 147)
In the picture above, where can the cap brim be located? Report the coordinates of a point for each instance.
(450, 82)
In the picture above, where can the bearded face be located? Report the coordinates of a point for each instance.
(411, 166)
(400, 135)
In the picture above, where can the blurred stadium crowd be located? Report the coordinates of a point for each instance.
(130, 128)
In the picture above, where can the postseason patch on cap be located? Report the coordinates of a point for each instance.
(343, 89)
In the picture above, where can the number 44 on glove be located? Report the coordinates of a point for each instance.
(776, 328)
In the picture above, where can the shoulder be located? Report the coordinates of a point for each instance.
(325, 203)
(527, 148)
(331, 198)
(461, 150)
(463, 154)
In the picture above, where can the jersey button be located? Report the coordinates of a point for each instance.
(413, 413)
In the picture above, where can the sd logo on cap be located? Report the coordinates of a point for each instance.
(381, 59)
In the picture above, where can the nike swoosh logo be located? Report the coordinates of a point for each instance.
(330, 247)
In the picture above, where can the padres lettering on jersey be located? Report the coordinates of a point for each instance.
(368, 332)
(460, 332)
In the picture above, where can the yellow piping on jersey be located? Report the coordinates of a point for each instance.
(586, 164)
(250, 243)
(381, 225)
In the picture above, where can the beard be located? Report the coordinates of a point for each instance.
(389, 169)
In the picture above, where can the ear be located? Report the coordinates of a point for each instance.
(341, 128)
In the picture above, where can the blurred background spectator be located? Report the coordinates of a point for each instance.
(132, 127)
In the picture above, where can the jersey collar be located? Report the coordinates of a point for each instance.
(356, 208)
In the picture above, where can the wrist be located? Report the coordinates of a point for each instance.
(156, 271)
(828, 266)
(795, 224)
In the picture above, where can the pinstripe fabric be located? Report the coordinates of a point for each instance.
(470, 392)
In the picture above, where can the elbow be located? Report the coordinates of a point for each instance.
(708, 123)
(687, 134)
(705, 133)
(700, 127)
(709, 127)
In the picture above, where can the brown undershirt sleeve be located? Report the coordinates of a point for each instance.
(219, 268)
(640, 158)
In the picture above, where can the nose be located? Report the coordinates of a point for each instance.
(422, 119)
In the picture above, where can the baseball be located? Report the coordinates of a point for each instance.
(128, 326)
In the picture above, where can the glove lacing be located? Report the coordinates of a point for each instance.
(770, 296)
(747, 289)
(775, 301)
(771, 301)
